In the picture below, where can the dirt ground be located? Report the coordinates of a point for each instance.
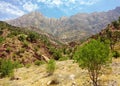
(67, 73)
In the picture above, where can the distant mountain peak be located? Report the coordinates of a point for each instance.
(76, 27)
(36, 13)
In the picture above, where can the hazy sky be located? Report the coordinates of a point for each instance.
(10, 9)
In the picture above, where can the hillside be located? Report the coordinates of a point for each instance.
(25, 46)
(81, 25)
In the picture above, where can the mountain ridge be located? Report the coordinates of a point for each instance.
(81, 25)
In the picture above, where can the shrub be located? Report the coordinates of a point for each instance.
(32, 37)
(17, 64)
(38, 62)
(25, 44)
(21, 37)
(1, 39)
(116, 54)
(51, 66)
(6, 68)
(28, 65)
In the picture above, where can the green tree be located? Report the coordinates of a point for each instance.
(51, 66)
(93, 56)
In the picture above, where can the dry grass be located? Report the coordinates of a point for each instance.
(66, 73)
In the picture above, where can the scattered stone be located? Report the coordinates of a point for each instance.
(15, 78)
(53, 82)
(72, 77)
(74, 84)
(112, 83)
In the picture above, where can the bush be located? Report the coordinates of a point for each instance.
(51, 66)
(25, 44)
(38, 62)
(55, 52)
(28, 65)
(116, 54)
(6, 68)
(21, 38)
(13, 33)
(17, 64)
(32, 37)
(1, 39)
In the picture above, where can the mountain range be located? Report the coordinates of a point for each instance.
(73, 28)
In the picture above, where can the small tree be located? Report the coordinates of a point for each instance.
(93, 56)
(51, 66)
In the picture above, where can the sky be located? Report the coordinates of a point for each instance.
(10, 9)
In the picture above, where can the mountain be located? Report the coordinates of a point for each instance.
(76, 27)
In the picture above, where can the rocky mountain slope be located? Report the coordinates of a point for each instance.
(25, 46)
(76, 27)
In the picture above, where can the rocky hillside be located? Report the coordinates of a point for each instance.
(20, 44)
(81, 25)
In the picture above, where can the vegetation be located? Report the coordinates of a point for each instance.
(51, 66)
(1, 39)
(38, 62)
(93, 56)
(6, 68)
(32, 37)
(116, 54)
(22, 37)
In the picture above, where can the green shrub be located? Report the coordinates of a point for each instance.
(25, 44)
(21, 37)
(1, 39)
(38, 62)
(13, 33)
(116, 54)
(32, 37)
(6, 68)
(28, 65)
(51, 66)
(17, 64)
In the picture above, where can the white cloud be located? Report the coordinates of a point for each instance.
(10, 9)
(29, 6)
(57, 3)
(88, 2)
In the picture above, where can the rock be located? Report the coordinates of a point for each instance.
(112, 83)
(53, 82)
(72, 77)
(74, 84)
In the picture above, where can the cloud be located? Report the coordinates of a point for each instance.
(9, 8)
(58, 3)
(29, 6)
(88, 2)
